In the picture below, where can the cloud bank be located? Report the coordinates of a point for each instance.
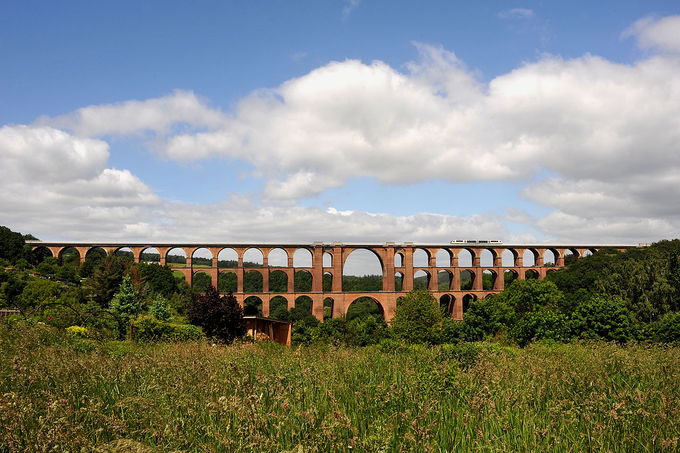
(608, 134)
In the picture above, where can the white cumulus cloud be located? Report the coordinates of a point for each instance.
(661, 33)
(158, 115)
(608, 134)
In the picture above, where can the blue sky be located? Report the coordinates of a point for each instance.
(354, 121)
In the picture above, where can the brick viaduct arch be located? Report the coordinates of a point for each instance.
(394, 259)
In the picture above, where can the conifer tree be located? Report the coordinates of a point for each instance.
(127, 303)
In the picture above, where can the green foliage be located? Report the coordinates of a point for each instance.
(11, 245)
(278, 308)
(11, 290)
(278, 282)
(127, 303)
(302, 311)
(363, 308)
(159, 279)
(107, 278)
(252, 306)
(541, 325)
(453, 331)
(525, 296)
(227, 282)
(487, 317)
(220, 317)
(365, 331)
(418, 318)
(366, 283)
(602, 318)
(201, 281)
(93, 260)
(642, 283)
(667, 329)
(160, 309)
(647, 279)
(253, 282)
(302, 282)
(151, 329)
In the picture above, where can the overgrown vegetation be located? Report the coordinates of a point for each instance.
(64, 393)
(586, 360)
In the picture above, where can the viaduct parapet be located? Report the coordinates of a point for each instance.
(445, 266)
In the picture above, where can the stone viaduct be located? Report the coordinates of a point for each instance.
(447, 263)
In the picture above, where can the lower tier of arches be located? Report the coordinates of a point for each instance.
(455, 302)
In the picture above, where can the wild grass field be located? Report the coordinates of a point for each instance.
(59, 393)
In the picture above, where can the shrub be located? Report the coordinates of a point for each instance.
(602, 318)
(667, 329)
(465, 354)
(540, 325)
(487, 317)
(186, 332)
(151, 329)
(77, 331)
(160, 309)
(453, 331)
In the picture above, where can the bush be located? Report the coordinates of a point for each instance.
(540, 325)
(487, 317)
(465, 354)
(362, 332)
(151, 329)
(667, 329)
(160, 309)
(453, 331)
(77, 331)
(602, 318)
(389, 346)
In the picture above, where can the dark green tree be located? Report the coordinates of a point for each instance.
(11, 245)
(302, 282)
(602, 318)
(278, 282)
(220, 317)
(667, 329)
(227, 282)
(107, 278)
(278, 308)
(487, 317)
(541, 325)
(159, 279)
(11, 290)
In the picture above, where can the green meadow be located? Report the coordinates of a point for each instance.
(66, 394)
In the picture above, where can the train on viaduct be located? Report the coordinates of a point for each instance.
(444, 267)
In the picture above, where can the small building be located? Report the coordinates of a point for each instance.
(273, 329)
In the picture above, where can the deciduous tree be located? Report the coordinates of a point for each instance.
(220, 317)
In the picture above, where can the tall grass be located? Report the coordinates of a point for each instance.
(63, 394)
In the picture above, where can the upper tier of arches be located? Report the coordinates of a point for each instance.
(389, 257)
